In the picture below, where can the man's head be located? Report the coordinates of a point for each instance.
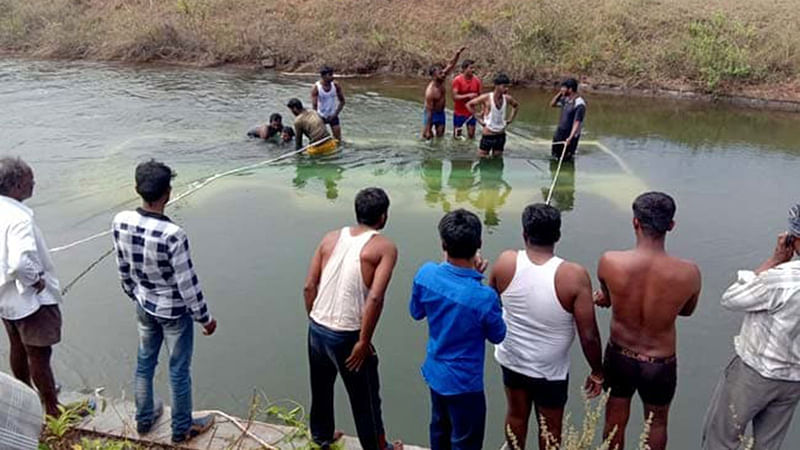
(501, 82)
(653, 213)
(794, 228)
(326, 73)
(16, 179)
(276, 121)
(569, 86)
(287, 134)
(467, 67)
(436, 73)
(460, 231)
(295, 105)
(541, 225)
(153, 180)
(372, 207)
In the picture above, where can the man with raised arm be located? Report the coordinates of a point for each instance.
(544, 300)
(157, 273)
(344, 292)
(327, 99)
(436, 97)
(647, 289)
(495, 119)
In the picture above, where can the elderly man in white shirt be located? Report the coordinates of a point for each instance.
(29, 293)
(762, 383)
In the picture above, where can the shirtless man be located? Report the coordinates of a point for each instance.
(436, 97)
(647, 289)
(327, 99)
(494, 121)
(344, 292)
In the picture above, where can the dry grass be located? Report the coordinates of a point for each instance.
(708, 44)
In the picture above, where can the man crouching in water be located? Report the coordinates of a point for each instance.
(647, 289)
(344, 292)
(268, 131)
(436, 98)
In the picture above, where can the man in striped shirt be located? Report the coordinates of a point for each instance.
(762, 382)
(158, 275)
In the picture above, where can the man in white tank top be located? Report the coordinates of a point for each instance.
(492, 116)
(344, 292)
(327, 99)
(544, 299)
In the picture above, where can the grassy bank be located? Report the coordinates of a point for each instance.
(706, 45)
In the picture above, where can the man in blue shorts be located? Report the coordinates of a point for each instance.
(436, 97)
(466, 86)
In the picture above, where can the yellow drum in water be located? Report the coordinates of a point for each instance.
(324, 148)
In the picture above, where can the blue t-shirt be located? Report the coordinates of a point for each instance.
(462, 314)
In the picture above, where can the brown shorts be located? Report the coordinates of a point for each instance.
(40, 329)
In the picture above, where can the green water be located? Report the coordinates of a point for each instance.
(84, 126)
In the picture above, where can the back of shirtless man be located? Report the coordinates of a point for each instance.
(647, 289)
(436, 97)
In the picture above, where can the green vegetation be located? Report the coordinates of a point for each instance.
(713, 45)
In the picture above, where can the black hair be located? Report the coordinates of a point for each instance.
(466, 63)
(153, 180)
(655, 211)
(432, 69)
(570, 83)
(274, 117)
(542, 224)
(12, 172)
(501, 79)
(295, 103)
(289, 131)
(371, 204)
(325, 70)
(460, 231)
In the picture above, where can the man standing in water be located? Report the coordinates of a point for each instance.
(436, 97)
(344, 292)
(158, 275)
(466, 86)
(309, 123)
(544, 300)
(573, 111)
(647, 289)
(493, 107)
(29, 293)
(327, 99)
(762, 383)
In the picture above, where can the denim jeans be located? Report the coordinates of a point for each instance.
(327, 352)
(178, 334)
(457, 421)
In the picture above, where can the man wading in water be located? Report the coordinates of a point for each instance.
(647, 289)
(494, 123)
(309, 123)
(436, 97)
(344, 292)
(573, 111)
(327, 99)
(466, 86)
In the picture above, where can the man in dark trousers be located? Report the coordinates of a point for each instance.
(573, 112)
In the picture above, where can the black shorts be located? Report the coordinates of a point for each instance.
(571, 148)
(545, 393)
(493, 142)
(627, 372)
(40, 329)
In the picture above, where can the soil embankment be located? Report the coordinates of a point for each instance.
(706, 48)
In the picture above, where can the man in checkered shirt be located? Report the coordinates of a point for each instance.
(157, 274)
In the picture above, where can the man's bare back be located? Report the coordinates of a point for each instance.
(647, 291)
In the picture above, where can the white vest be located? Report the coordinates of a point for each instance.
(342, 293)
(540, 332)
(327, 101)
(495, 120)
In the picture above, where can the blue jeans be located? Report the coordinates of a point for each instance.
(457, 421)
(327, 352)
(178, 334)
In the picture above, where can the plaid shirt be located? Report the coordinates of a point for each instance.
(155, 265)
(769, 341)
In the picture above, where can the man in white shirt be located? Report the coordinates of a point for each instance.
(29, 292)
(762, 382)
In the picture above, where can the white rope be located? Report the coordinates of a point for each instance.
(238, 425)
(197, 187)
(558, 170)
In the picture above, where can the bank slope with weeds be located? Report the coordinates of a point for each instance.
(717, 46)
